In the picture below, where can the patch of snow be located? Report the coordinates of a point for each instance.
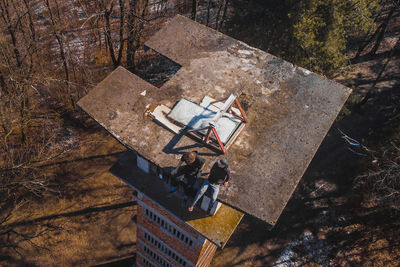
(157, 6)
(246, 52)
(38, 9)
(142, 143)
(305, 72)
(219, 89)
(313, 250)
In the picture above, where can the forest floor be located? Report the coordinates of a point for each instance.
(88, 221)
(326, 222)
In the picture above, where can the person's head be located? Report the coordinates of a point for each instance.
(222, 163)
(189, 157)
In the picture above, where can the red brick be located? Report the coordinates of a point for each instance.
(197, 255)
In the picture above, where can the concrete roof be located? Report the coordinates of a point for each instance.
(290, 110)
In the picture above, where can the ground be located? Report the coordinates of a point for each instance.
(88, 222)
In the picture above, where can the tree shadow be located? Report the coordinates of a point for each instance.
(369, 57)
(172, 148)
(73, 213)
(125, 262)
(80, 159)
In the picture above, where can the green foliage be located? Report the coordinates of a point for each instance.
(309, 33)
(323, 27)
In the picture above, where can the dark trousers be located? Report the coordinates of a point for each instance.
(185, 179)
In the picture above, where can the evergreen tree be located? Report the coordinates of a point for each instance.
(309, 33)
(323, 27)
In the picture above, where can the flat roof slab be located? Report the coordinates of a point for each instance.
(290, 110)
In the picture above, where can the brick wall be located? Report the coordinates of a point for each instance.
(206, 254)
(190, 253)
(162, 249)
(171, 217)
(199, 253)
(139, 258)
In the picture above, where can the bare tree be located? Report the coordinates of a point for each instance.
(373, 91)
(382, 30)
(386, 14)
(136, 21)
(195, 6)
(107, 12)
(58, 35)
(11, 25)
(208, 12)
(381, 184)
(223, 15)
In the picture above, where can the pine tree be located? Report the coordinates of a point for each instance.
(324, 26)
(310, 33)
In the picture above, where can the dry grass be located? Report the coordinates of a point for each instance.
(89, 221)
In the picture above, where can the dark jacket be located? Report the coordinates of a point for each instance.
(219, 175)
(194, 169)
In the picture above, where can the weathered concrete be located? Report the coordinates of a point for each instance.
(289, 109)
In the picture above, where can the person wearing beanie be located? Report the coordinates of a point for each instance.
(219, 174)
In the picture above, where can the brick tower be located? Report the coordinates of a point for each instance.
(289, 110)
(167, 234)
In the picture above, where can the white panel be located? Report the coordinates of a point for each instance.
(215, 208)
(143, 164)
(206, 201)
(195, 116)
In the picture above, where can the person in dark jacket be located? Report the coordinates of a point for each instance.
(187, 174)
(219, 175)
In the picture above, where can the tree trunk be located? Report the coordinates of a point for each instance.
(223, 15)
(3, 85)
(130, 45)
(218, 14)
(137, 12)
(208, 12)
(5, 15)
(31, 24)
(62, 53)
(107, 32)
(373, 91)
(116, 60)
(195, 5)
(367, 41)
(121, 30)
(382, 32)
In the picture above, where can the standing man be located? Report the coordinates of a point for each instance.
(188, 173)
(219, 174)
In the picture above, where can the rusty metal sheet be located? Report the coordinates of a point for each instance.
(290, 110)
